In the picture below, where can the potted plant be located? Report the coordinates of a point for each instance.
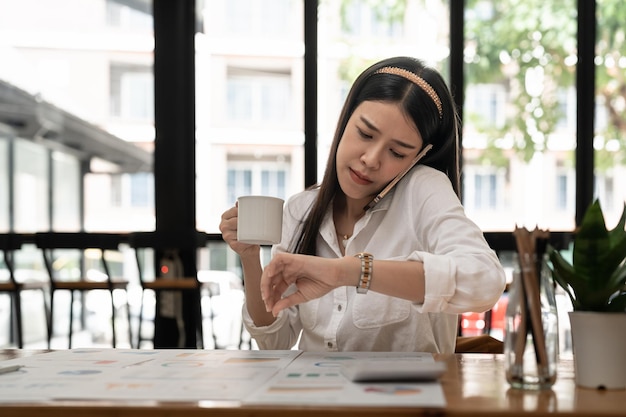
(595, 281)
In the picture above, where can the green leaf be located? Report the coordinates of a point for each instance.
(618, 304)
(617, 233)
(598, 268)
(617, 238)
(563, 273)
(591, 245)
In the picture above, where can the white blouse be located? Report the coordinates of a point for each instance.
(420, 220)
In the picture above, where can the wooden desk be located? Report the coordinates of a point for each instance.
(474, 385)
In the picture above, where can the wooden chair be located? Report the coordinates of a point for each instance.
(53, 243)
(169, 282)
(9, 243)
(478, 344)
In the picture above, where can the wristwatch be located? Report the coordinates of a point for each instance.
(367, 266)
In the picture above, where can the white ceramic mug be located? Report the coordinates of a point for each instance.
(260, 220)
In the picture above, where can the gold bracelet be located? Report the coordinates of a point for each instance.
(367, 266)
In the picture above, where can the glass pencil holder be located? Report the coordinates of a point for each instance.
(531, 329)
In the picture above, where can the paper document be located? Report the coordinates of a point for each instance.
(240, 376)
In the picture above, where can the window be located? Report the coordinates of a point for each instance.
(132, 190)
(566, 111)
(262, 179)
(66, 195)
(485, 194)
(562, 192)
(520, 94)
(610, 114)
(142, 189)
(486, 104)
(5, 197)
(120, 16)
(605, 189)
(364, 19)
(31, 187)
(484, 189)
(259, 97)
(123, 202)
(252, 18)
(132, 92)
(520, 63)
(239, 183)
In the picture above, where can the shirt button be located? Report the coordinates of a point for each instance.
(339, 307)
(330, 345)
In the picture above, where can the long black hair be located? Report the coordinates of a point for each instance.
(437, 127)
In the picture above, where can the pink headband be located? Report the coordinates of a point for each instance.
(419, 81)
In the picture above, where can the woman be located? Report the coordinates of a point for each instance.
(414, 257)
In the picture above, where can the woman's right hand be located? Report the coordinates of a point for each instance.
(228, 227)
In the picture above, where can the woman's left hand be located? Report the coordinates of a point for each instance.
(312, 276)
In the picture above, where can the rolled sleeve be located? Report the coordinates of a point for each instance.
(454, 287)
(439, 283)
(461, 272)
(278, 335)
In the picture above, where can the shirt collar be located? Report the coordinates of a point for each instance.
(327, 229)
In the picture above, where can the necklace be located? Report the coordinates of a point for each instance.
(344, 240)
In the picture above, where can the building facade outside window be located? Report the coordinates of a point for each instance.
(519, 111)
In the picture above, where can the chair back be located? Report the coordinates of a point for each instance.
(48, 242)
(78, 240)
(167, 240)
(9, 243)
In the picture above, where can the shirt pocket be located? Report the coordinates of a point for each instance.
(308, 313)
(376, 310)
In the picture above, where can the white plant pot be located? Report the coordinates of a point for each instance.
(599, 344)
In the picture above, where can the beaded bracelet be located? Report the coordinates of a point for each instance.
(367, 266)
